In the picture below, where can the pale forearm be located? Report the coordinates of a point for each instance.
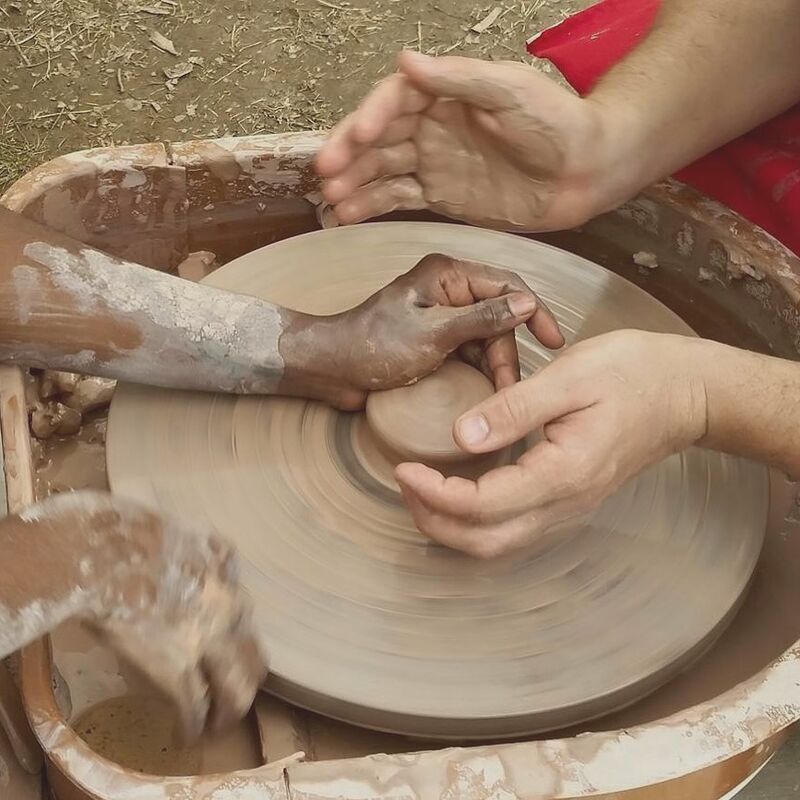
(709, 71)
(753, 404)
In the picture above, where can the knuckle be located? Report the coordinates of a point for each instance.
(395, 159)
(424, 524)
(514, 412)
(485, 548)
(435, 261)
(589, 499)
(403, 188)
(583, 470)
(477, 516)
(493, 314)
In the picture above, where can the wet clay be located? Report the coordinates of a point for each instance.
(340, 577)
(416, 421)
(75, 462)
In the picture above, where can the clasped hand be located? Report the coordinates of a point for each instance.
(607, 408)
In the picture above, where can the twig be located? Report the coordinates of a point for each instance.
(59, 113)
(228, 74)
(119, 81)
(451, 48)
(419, 36)
(331, 5)
(19, 49)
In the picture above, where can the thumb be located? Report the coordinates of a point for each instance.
(469, 80)
(512, 413)
(488, 318)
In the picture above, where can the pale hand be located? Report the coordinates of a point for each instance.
(608, 408)
(495, 144)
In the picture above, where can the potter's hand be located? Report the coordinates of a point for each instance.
(501, 145)
(407, 329)
(496, 144)
(162, 594)
(608, 407)
(120, 320)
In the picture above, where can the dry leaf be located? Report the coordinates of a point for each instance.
(191, 110)
(487, 21)
(162, 43)
(180, 70)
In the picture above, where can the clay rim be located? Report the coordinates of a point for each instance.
(772, 694)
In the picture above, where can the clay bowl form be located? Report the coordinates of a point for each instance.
(703, 736)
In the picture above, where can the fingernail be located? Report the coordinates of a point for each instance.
(522, 305)
(472, 430)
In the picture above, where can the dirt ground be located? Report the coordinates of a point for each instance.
(76, 74)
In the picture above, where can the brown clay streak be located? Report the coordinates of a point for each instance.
(68, 306)
(36, 312)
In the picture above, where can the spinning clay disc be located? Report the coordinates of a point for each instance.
(416, 421)
(364, 618)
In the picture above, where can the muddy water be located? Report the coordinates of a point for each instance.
(137, 732)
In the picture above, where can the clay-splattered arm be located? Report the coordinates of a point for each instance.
(164, 597)
(67, 306)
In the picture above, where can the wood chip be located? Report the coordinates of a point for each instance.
(162, 43)
(155, 11)
(180, 70)
(487, 21)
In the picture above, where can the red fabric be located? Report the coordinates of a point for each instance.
(757, 174)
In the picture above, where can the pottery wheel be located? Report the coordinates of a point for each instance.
(367, 621)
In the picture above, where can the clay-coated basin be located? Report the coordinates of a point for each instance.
(703, 736)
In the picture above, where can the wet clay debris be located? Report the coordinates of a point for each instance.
(198, 266)
(59, 401)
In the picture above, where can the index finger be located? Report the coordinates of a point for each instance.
(492, 281)
(392, 98)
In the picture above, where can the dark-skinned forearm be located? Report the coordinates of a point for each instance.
(64, 305)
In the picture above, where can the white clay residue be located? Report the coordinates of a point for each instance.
(27, 283)
(645, 259)
(235, 335)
